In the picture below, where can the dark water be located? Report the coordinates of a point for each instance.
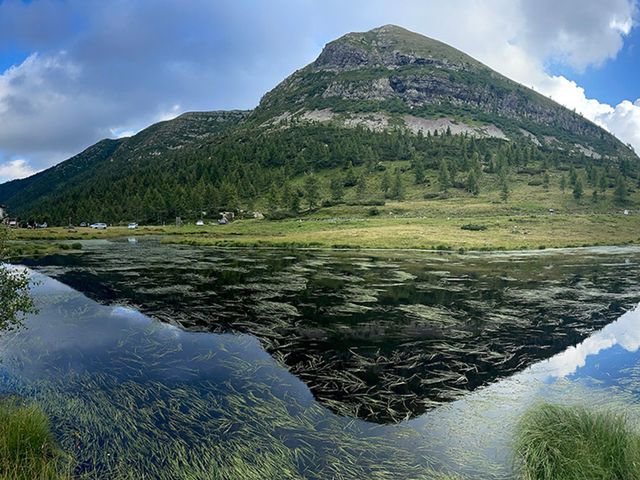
(382, 336)
(274, 364)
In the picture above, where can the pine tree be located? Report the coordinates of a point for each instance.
(312, 190)
(472, 183)
(563, 183)
(337, 188)
(419, 172)
(273, 199)
(286, 196)
(444, 179)
(620, 194)
(476, 165)
(578, 190)
(361, 186)
(397, 191)
(385, 183)
(545, 181)
(603, 183)
(504, 189)
(294, 201)
(350, 178)
(573, 176)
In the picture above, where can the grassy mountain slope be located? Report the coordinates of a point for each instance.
(376, 117)
(109, 159)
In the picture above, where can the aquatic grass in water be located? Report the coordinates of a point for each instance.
(383, 336)
(133, 398)
(574, 443)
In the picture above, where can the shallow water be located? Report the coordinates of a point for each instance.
(380, 336)
(298, 364)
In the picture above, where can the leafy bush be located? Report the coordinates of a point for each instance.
(373, 212)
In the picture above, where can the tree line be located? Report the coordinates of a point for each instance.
(303, 166)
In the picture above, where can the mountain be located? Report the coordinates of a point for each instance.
(386, 98)
(111, 159)
(390, 76)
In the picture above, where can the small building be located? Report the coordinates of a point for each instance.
(258, 215)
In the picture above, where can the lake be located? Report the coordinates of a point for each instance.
(160, 360)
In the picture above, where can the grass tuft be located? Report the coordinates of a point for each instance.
(574, 443)
(28, 450)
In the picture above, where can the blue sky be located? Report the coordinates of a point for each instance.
(75, 71)
(614, 81)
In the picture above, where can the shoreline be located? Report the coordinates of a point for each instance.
(500, 233)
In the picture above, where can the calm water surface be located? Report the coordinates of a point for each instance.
(153, 359)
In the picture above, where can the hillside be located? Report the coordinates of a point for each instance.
(108, 160)
(390, 76)
(379, 115)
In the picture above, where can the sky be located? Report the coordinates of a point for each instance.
(75, 71)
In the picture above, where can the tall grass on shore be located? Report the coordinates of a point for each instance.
(27, 448)
(574, 443)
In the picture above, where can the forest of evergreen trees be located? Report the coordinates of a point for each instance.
(304, 166)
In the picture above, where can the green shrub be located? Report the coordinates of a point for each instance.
(473, 227)
(366, 203)
(572, 443)
(280, 215)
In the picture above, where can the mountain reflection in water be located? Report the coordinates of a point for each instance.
(381, 336)
(132, 396)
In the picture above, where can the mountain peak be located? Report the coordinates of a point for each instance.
(389, 46)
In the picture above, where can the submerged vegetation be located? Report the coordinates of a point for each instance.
(574, 443)
(28, 450)
(131, 397)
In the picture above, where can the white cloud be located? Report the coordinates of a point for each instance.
(44, 107)
(122, 133)
(15, 169)
(170, 114)
(624, 332)
(577, 32)
(623, 120)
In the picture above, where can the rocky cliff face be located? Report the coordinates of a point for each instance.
(396, 72)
